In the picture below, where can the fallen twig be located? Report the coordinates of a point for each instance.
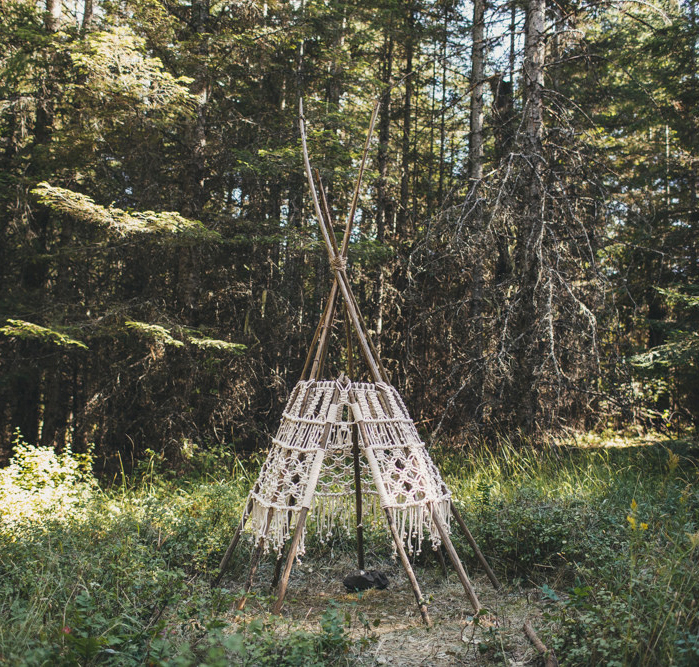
(548, 654)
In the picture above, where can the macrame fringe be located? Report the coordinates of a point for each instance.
(414, 523)
(336, 514)
(281, 528)
(395, 469)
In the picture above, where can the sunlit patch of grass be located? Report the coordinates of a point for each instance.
(610, 526)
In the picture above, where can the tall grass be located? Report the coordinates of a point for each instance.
(610, 535)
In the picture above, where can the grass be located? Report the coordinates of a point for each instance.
(609, 535)
(117, 574)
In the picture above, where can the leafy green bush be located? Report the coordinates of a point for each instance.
(120, 576)
(40, 483)
(637, 605)
(618, 575)
(259, 644)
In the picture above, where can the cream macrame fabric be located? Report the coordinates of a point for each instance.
(311, 465)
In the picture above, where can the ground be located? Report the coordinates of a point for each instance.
(390, 623)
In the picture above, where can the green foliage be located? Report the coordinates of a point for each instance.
(670, 370)
(114, 63)
(30, 331)
(118, 576)
(163, 337)
(609, 534)
(634, 604)
(154, 332)
(215, 344)
(119, 222)
(41, 486)
(262, 643)
(643, 101)
(121, 576)
(198, 339)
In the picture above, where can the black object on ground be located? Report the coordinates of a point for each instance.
(361, 581)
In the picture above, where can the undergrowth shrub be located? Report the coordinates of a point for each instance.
(610, 535)
(261, 644)
(120, 576)
(40, 483)
(637, 606)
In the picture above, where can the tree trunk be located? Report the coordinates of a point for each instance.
(475, 174)
(402, 218)
(513, 35)
(475, 143)
(430, 160)
(526, 351)
(195, 174)
(88, 15)
(534, 56)
(52, 18)
(442, 117)
(382, 199)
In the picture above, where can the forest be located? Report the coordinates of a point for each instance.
(525, 252)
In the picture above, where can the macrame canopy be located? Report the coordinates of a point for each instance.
(346, 451)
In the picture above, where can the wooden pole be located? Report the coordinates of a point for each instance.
(270, 512)
(327, 316)
(326, 325)
(284, 581)
(321, 352)
(348, 333)
(376, 474)
(277, 570)
(440, 558)
(257, 554)
(467, 533)
(382, 371)
(355, 316)
(348, 228)
(234, 542)
(548, 655)
(355, 197)
(454, 557)
(343, 253)
(316, 335)
(421, 602)
(301, 521)
(358, 497)
(337, 261)
(328, 220)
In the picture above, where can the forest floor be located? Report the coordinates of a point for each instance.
(595, 541)
(386, 625)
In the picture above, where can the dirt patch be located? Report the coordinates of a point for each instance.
(389, 621)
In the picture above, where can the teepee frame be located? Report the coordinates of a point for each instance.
(345, 419)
